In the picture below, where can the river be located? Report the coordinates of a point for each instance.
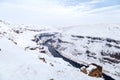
(55, 53)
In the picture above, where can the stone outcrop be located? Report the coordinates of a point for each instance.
(83, 69)
(93, 70)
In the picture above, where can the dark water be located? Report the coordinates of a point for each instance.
(55, 53)
(106, 77)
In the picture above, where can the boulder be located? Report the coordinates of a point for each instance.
(93, 70)
(83, 69)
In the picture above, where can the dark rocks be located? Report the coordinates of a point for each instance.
(31, 48)
(43, 59)
(51, 79)
(78, 36)
(113, 54)
(118, 47)
(43, 51)
(94, 38)
(17, 31)
(109, 45)
(51, 64)
(112, 40)
(112, 60)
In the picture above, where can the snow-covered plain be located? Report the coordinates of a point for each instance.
(21, 59)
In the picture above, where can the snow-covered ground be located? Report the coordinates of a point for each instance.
(21, 57)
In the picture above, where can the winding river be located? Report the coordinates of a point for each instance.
(55, 53)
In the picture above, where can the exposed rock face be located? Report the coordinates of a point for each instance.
(83, 69)
(93, 70)
(96, 72)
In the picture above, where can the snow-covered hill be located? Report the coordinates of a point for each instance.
(27, 52)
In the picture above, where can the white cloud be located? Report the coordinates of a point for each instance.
(96, 1)
(46, 12)
(110, 10)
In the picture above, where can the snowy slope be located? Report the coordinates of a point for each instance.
(98, 44)
(17, 62)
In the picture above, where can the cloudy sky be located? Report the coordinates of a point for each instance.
(60, 12)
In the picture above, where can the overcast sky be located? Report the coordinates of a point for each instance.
(60, 12)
